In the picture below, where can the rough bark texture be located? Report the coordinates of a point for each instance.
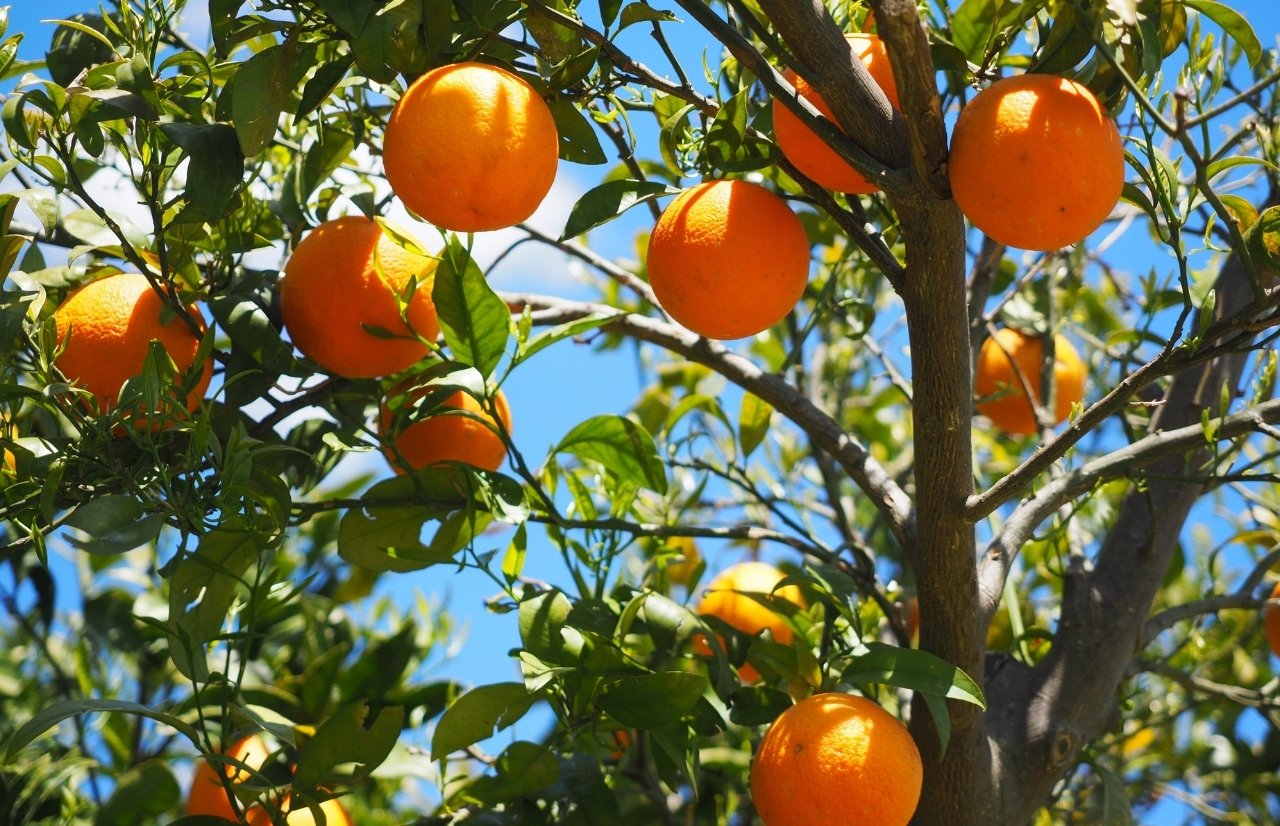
(1042, 717)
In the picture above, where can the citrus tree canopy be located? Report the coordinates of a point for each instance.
(823, 411)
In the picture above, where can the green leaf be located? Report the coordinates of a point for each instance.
(381, 666)
(513, 559)
(542, 620)
(578, 140)
(941, 718)
(202, 586)
(609, 200)
(390, 41)
(475, 715)
(61, 710)
(384, 532)
(622, 447)
(913, 669)
(321, 84)
(640, 12)
(651, 701)
(249, 327)
(348, 15)
(222, 19)
(1233, 23)
(522, 769)
(569, 329)
(757, 705)
(144, 792)
(753, 422)
(217, 163)
(1115, 799)
(556, 42)
(113, 524)
(14, 118)
(262, 86)
(77, 45)
(476, 323)
(321, 159)
(349, 736)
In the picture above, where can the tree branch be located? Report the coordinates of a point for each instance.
(1243, 597)
(913, 72)
(998, 560)
(1068, 699)
(825, 60)
(885, 494)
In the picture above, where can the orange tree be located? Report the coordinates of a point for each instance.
(1087, 598)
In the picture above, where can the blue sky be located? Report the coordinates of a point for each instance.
(549, 394)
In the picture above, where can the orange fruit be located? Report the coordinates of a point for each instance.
(106, 328)
(1271, 619)
(1007, 405)
(838, 760)
(448, 437)
(471, 147)
(209, 794)
(340, 299)
(802, 146)
(299, 814)
(728, 259)
(680, 570)
(1036, 163)
(726, 599)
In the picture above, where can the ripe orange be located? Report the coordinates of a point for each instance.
(1271, 619)
(728, 259)
(1008, 406)
(107, 327)
(471, 147)
(208, 794)
(1035, 162)
(726, 599)
(339, 298)
(810, 153)
(838, 760)
(448, 437)
(299, 814)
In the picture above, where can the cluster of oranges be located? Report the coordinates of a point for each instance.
(469, 147)
(472, 147)
(831, 758)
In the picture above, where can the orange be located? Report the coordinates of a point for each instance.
(680, 569)
(299, 814)
(810, 153)
(1271, 619)
(728, 259)
(208, 794)
(447, 436)
(837, 760)
(471, 147)
(1007, 405)
(726, 598)
(106, 328)
(1035, 162)
(339, 298)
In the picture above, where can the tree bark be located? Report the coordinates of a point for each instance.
(1043, 717)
